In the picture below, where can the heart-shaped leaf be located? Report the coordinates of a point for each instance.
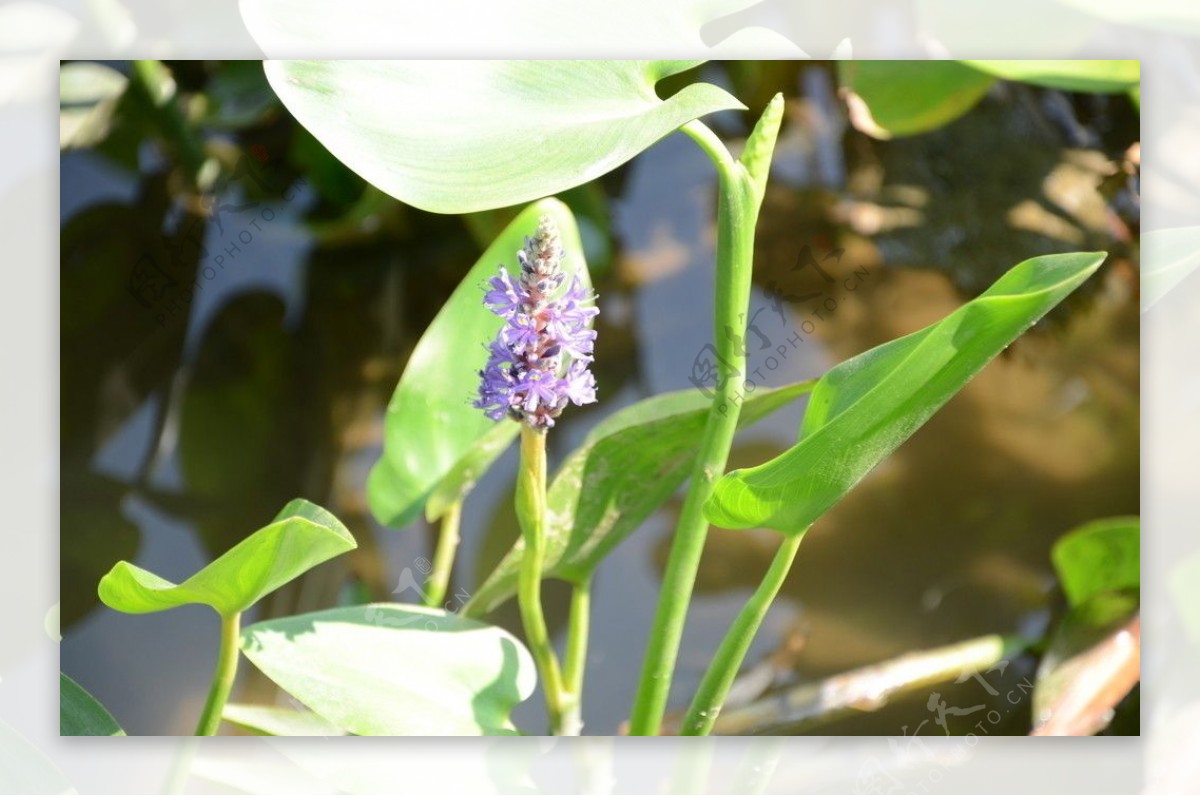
(394, 669)
(625, 469)
(79, 713)
(461, 136)
(898, 98)
(270, 720)
(301, 536)
(862, 409)
(433, 436)
(1104, 555)
(1109, 77)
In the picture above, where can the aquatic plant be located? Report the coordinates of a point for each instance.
(505, 362)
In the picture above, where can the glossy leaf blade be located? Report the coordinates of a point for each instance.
(302, 536)
(394, 669)
(432, 433)
(1068, 75)
(462, 136)
(1100, 556)
(625, 469)
(864, 408)
(79, 713)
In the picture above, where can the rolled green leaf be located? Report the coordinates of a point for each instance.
(302, 536)
(864, 408)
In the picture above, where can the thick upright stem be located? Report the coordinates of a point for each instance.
(737, 211)
(531, 510)
(222, 683)
(723, 668)
(443, 557)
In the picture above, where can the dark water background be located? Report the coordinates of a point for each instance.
(189, 419)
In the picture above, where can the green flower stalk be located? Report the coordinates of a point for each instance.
(538, 364)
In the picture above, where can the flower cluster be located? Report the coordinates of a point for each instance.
(539, 360)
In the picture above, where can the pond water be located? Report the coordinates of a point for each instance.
(189, 417)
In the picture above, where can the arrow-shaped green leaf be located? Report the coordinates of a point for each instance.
(864, 408)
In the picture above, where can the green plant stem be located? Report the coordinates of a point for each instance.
(736, 216)
(222, 682)
(576, 657)
(723, 668)
(577, 638)
(443, 557)
(531, 510)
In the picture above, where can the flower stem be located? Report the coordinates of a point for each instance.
(443, 557)
(531, 511)
(723, 668)
(222, 683)
(737, 212)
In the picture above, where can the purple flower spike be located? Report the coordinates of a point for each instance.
(538, 363)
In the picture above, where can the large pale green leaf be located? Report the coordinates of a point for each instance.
(393, 669)
(909, 97)
(433, 437)
(1068, 75)
(79, 713)
(461, 136)
(1100, 556)
(301, 536)
(624, 470)
(862, 409)
(271, 720)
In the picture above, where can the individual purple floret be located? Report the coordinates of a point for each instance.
(538, 363)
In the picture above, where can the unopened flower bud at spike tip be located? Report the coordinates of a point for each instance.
(538, 362)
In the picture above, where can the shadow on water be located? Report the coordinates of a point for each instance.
(189, 416)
